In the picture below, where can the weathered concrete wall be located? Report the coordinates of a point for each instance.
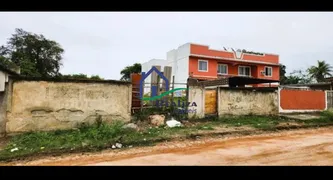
(45, 105)
(4, 97)
(244, 102)
(2, 114)
(196, 94)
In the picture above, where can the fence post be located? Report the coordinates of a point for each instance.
(173, 86)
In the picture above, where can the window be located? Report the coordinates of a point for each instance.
(244, 71)
(203, 65)
(268, 71)
(222, 69)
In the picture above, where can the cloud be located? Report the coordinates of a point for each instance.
(105, 42)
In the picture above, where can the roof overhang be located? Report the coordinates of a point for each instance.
(329, 79)
(231, 81)
(9, 71)
(241, 81)
(312, 84)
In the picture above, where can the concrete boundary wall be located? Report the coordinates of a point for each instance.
(197, 94)
(236, 101)
(43, 105)
(301, 100)
(247, 101)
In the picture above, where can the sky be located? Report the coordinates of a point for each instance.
(103, 43)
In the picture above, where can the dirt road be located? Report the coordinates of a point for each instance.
(300, 147)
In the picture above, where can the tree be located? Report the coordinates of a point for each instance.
(292, 80)
(6, 62)
(320, 71)
(283, 77)
(298, 77)
(96, 77)
(80, 76)
(128, 70)
(36, 55)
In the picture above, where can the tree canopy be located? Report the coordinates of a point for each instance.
(34, 54)
(320, 71)
(128, 70)
(80, 76)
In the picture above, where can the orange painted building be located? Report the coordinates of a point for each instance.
(201, 62)
(205, 63)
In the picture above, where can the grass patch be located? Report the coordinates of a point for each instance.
(326, 117)
(93, 138)
(205, 127)
(86, 138)
(259, 122)
(264, 122)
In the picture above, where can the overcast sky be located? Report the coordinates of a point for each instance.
(105, 42)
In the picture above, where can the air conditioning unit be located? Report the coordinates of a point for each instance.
(262, 72)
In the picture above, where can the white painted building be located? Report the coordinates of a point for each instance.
(178, 59)
(4, 75)
(3, 80)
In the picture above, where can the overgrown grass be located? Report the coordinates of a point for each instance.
(101, 136)
(94, 137)
(326, 117)
(264, 122)
(85, 139)
(259, 122)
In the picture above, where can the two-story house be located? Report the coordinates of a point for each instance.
(201, 62)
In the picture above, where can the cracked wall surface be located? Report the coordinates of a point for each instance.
(44, 106)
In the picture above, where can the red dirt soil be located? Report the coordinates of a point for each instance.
(298, 147)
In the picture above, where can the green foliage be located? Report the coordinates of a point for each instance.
(317, 73)
(260, 122)
(320, 71)
(298, 77)
(128, 70)
(7, 63)
(86, 138)
(205, 127)
(169, 111)
(96, 77)
(90, 137)
(34, 54)
(283, 77)
(80, 76)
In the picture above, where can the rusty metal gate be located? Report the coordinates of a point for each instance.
(329, 99)
(136, 101)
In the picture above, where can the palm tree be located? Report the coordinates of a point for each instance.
(320, 71)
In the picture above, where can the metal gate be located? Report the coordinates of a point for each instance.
(210, 101)
(329, 99)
